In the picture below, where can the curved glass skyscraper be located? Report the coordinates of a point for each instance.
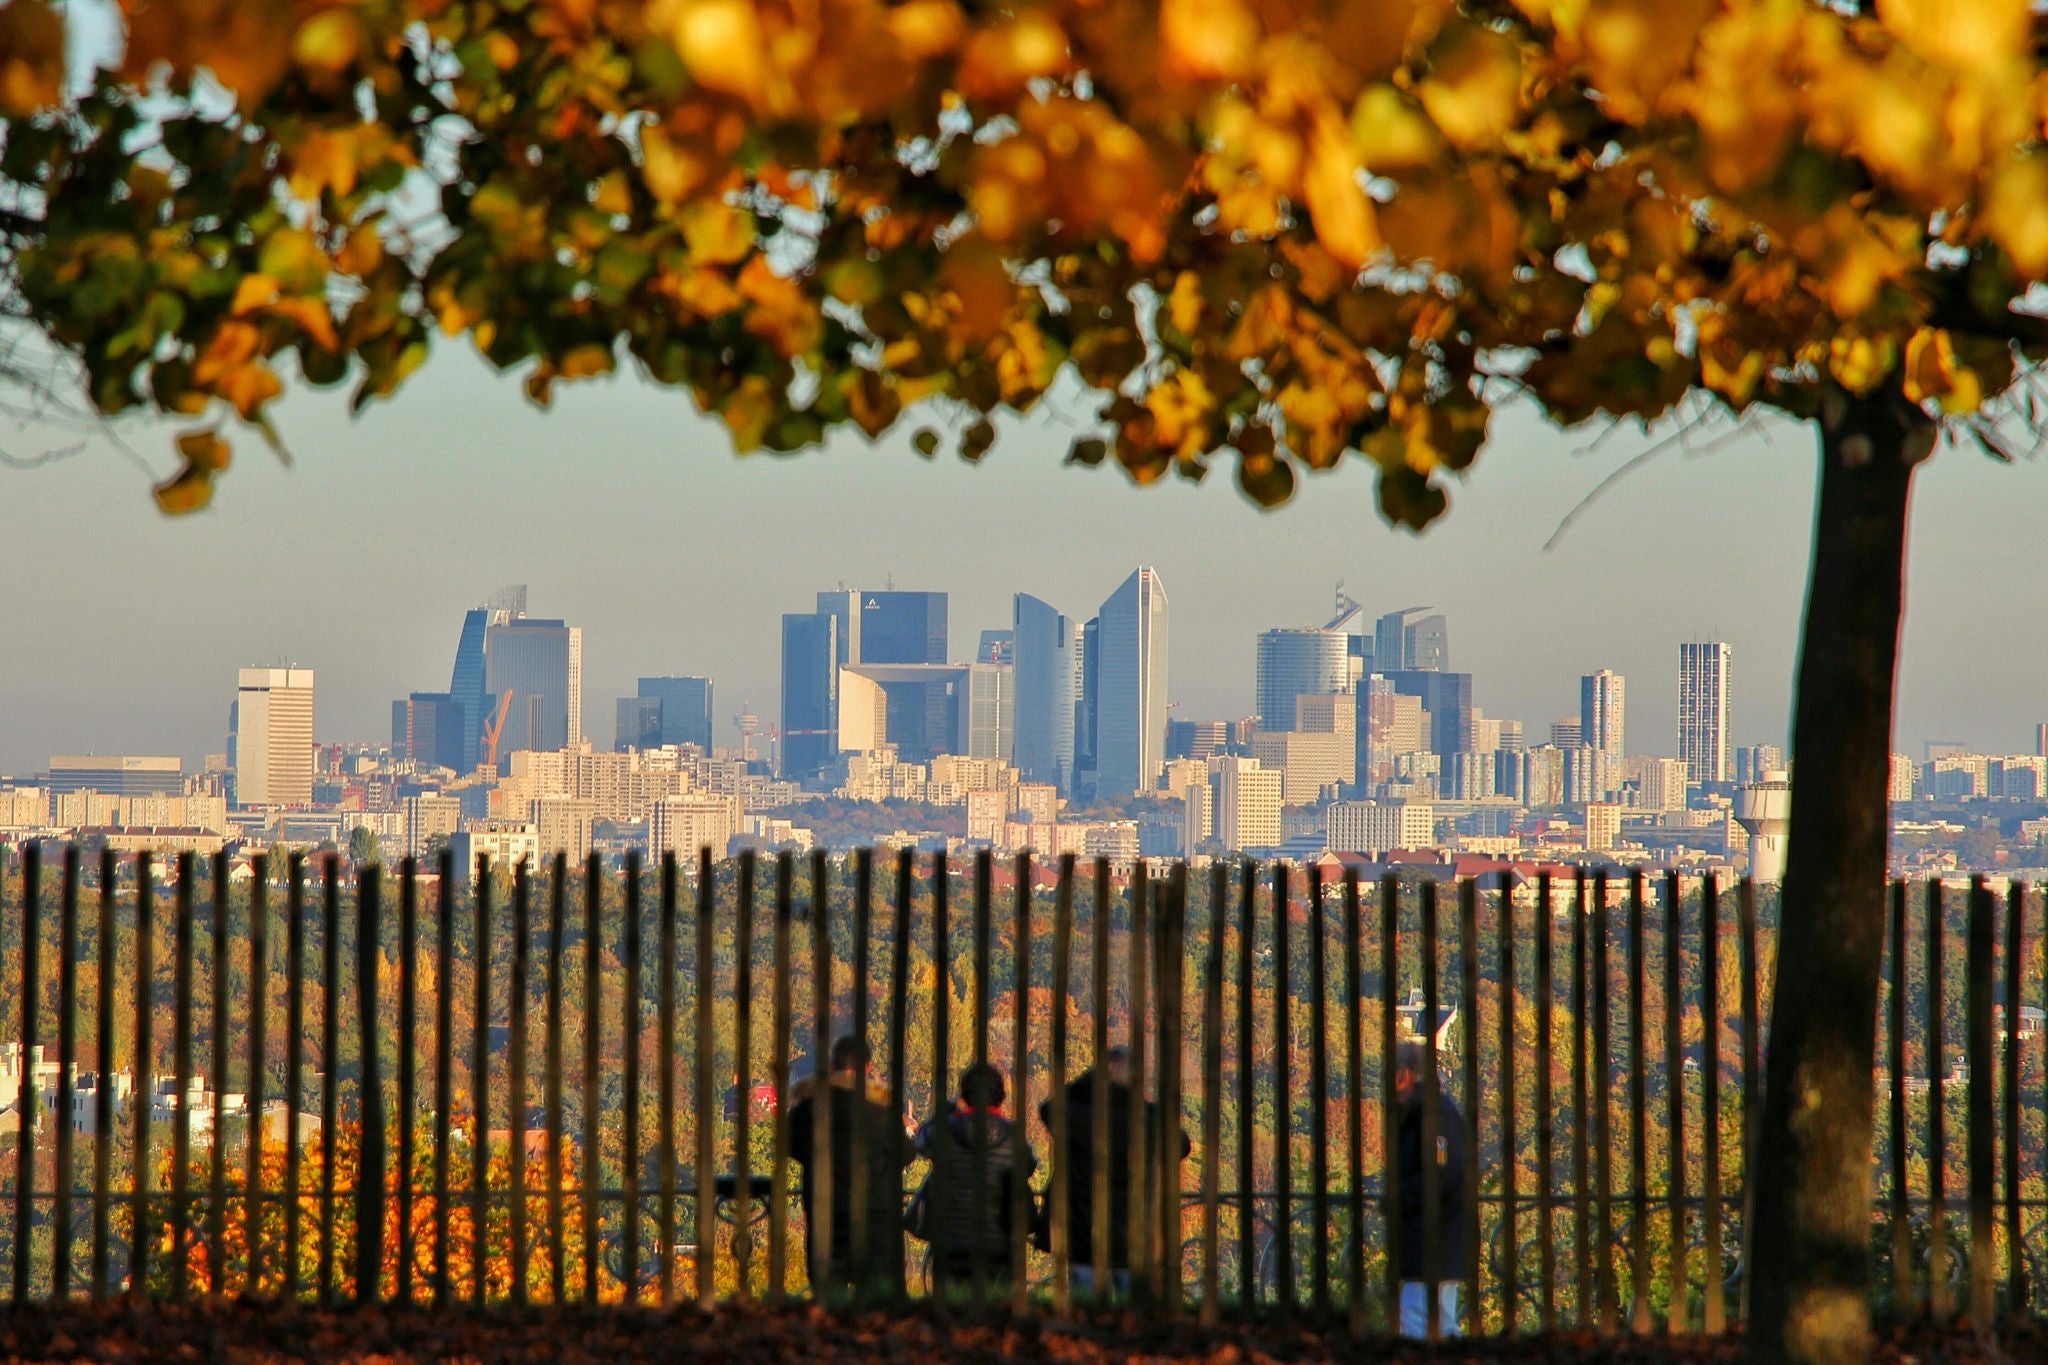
(1130, 701)
(1046, 648)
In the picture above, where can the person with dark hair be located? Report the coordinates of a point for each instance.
(875, 1267)
(1092, 1272)
(976, 1153)
(1411, 1068)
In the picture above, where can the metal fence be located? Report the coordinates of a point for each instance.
(571, 1084)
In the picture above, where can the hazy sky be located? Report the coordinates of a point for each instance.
(625, 512)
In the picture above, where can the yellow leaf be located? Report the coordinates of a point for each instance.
(1965, 34)
(1208, 40)
(927, 28)
(672, 171)
(31, 57)
(1474, 87)
(718, 234)
(1344, 219)
(204, 454)
(253, 292)
(2017, 213)
(721, 42)
(1184, 305)
(1389, 134)
(328, 41)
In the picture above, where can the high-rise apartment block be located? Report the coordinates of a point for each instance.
(1602, 712)
(273, 739)
(1378, 826)
(540, 662)
(1294, 662)
(117, 775)
(1903, 772)
(1755, 762)
(1248, 801)
(1046, 648)
(1130, 695)
(1703, 703)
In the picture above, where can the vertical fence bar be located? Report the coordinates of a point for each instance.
(1247, 1083)
(1510, 1160)
(818, 1176)
(103, 1037)
(1902, 1265)
(1020, 1047)
(704, 981)
(480, 1087)
(665, 1085)
(593, 1057)
(1582, 1237)
(899, 1022)
(1283, 1095)
(1468, 1013)
(1139, 1230)
(181, 1068)
(1603, 1113)
(253, 1193)
(857, 1137)
(1319, 1098)
(743, 1087)
(408, 1066)
(778, 1063)
(370, 1170)
(67, 1075)
(2015, 994)
(984, 872)
(142, 1174)
(1212, 1093)
(516, 1087)
(551, 1083)
(1716, 1316)
(294, 1058)
(330, 1054)
(444, 1066)
(942, 1001)
(629, 1035)
(1638, 1114)
(1432, 1119)
(1677, 1314)
(217, 1153)
(1752, 1071)
(1059, 1195)
(1354, 1094)
(1544, 990)
(558, 1233)
(1390, 1146)
(1938, 1301)
(1982, 1137)
(31, 1001)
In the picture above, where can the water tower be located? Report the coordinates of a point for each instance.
(1765, 810)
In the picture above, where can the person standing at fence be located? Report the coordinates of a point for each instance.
(875, 1269)
(1411, 1068)
(1076, 1166)
(963, 1210)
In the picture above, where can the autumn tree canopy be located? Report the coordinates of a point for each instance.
(1264, 232)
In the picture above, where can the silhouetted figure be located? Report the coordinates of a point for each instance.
(876, 1266)
(976, 1153)
(1411, 1066)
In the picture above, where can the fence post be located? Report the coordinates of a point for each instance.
(704, 980)
(593, 1037)
(1938, 1302)
(1020, 1085)
(1639, 1137)
(1468, 1009)
(1511, 1237)
(1319, 1099)
(1582, 1212)
(103, 1117)
(2015, 995)
(1603, 1114)
(181, 1066)
(1678, 1314)
(1982, 1139)
(1354, 1093)
(479, 1085)
(1283, 1098)
(1390, 1145)
(1544, 991)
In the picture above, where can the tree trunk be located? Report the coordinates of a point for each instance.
(1809, 1273)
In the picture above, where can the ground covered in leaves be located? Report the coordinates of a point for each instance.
(256, 1334)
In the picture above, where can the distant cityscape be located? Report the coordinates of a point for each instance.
(1364, 749)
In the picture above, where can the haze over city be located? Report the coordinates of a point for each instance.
(626, 514)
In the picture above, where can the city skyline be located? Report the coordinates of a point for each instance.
(469, 491)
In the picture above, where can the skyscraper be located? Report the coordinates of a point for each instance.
(1602, 708)
(1447, 697)
(843, 606)
(1296, 661)
(810, 693)
(426, 728)
(902, 628)
(1403, 645)
(1130, 703)
(540, 662)
(466, 689)
(1046, 646)
(1703, 710)
(274, 737)
(639, 723)
(685, 709)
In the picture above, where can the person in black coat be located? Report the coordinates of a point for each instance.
(876, 1268)
(976, 1154)
(1076, 1167)
(1411, 1067)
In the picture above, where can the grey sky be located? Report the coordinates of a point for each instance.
(626, 513)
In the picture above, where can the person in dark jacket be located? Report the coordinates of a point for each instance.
(976, 1152)
(1076, 1167)
(876, 1267)
(1411, 1067)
